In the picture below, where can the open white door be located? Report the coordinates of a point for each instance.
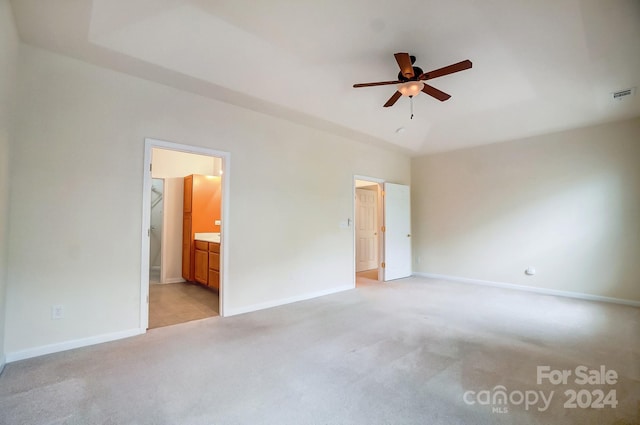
(397, 236)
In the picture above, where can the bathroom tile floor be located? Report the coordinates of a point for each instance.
(173, 303)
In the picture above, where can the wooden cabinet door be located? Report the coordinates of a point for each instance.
(188, 193)
(186, 248)
(214, 279)
(214, 261)
(202, 266)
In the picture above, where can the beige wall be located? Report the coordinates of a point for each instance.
(566, 203)
(81, 127)
(8, 60)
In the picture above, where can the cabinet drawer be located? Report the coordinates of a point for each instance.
(202, 245)
(214, 261)
(214, 247)
(214, 279)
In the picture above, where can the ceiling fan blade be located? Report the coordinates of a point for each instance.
(379, 83)
(460, 66)
(432, 91)
(393, 99)
(404, 62)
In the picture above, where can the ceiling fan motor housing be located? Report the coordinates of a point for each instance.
(417, 72)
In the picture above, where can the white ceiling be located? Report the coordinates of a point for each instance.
(538, 65)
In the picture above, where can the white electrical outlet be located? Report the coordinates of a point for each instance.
(57, 312)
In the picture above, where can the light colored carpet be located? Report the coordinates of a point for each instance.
(396, 353)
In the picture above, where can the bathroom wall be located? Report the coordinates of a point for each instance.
(172, 237)
(168, 163)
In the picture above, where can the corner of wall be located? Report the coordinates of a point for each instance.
(9, 44)
(490, 212)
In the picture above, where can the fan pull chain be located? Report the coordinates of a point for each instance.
(411, 103)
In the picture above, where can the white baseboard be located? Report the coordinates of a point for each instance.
(69, 345)
(169, 280)
(173, 280)
(255, 307)
(544, 291)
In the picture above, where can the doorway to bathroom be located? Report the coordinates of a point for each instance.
(168, 295)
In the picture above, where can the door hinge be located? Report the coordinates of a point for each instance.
(150, 167)
(383, 265)
(383, 229)
(148, 233)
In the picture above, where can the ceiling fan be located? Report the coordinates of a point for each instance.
(410, 79)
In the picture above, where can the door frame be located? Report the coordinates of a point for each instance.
(380, 211)
(149, 144)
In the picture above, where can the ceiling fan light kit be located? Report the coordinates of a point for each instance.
(410, 88)
(411, 79)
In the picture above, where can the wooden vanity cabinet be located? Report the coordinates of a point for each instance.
(207, 259)
(214, 265)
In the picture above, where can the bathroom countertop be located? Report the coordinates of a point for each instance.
(207, 237)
